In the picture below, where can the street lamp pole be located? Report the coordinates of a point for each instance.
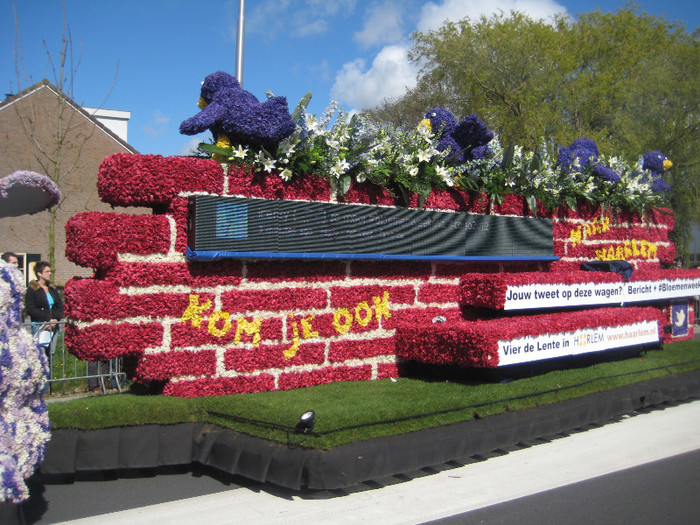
(239, 41)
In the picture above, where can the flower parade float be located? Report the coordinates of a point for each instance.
(335, 249)
(24, 422)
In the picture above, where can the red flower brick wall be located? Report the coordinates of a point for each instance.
(248, 325)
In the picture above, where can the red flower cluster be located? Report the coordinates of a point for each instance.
(163, 366)
(368, 193)
(343, 296)
(274, 300)
(91, 299)
(242, 182)
(273, 356)
(390, 269)
(100, 342)
(221, 386)
(276, 271)
(341, 351)
(195, 274)
(93, 239)
(149, 180)
(457, 200)
(324, 376)
(475, 344)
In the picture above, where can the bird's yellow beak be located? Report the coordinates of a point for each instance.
(201, 104)
(426, 122)
(667, 165)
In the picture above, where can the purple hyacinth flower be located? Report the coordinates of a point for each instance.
(656, 162)
(231, 111)
(606, 173)
(585, 150)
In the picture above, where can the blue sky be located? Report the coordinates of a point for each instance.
(159, 51)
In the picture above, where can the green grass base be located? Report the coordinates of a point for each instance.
(354, 411)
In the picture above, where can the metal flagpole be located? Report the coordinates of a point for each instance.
(239, 41)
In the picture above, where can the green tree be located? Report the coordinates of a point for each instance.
(626, 79)
(504, 68)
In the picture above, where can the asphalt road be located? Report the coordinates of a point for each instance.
(641, 469)
(662, 492)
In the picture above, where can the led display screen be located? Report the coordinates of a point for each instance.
(241, 227)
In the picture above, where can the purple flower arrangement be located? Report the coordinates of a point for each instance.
(582, 154)
(656, 163)
(25, 192)
(465, 141)
(236, 117)
(441, 152)
(579, 154)
(24, 422)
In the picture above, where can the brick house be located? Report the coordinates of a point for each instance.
(28, 129)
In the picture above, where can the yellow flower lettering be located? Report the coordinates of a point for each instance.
(194, 311)
(381, 306)
(363, 320)
(306, 328)
(307, 332)
(292, 350)
(244, 326)
(643, 248)
(344, 326)
(215, 316)
(628, 250)
(576, 236)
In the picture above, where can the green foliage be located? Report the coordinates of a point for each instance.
(504, 67)
(626, 79)
(413, 400)
(346, 149)
(535, 176)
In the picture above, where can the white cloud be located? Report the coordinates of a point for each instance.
(191, 146)
(383, 23)
(157, 125)
(391, 73)
(389, 76)
(296, 18)
(433, 14)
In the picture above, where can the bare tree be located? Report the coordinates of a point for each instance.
(58, 152)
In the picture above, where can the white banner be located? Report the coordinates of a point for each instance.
(583, 341)
(546, 295)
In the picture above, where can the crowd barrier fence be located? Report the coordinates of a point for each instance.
(71, 375)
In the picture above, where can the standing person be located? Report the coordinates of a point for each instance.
(44, 306)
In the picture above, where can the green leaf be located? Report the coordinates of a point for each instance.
(532, 203)
(213, 148)
(301, 106)
(571, 201)
(424, 191)
(508, 154)
(345, 183)
(536, 164)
